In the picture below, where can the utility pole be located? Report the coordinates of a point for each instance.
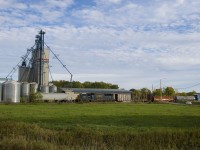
(152, 95)
(161, 89)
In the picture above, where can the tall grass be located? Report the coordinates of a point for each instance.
(23, 136)
(99, 126)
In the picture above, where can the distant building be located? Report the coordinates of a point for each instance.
(197, 96)
(185, 98)
(100, 94)
(164, 98)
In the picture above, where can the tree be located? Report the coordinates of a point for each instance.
(61, 83)
(114, 86)
(191, 93)
(35, 97)
(157, 92)
(136, 94)
(169, 91)
(145, 93)
(77, 84)
(86, 84)
(181, 94)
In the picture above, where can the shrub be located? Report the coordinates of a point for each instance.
(35, 97)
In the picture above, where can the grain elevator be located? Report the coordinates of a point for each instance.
(37, 70)
(33, 75)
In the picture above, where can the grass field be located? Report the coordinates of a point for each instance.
(99, 126)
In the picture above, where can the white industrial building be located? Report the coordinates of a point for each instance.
(100, 94)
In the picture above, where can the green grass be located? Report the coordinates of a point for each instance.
(99, 126)
(104, 116)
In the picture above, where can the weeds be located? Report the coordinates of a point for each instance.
(25, 136)
(99, 126)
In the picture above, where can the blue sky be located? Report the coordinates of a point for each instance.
(132, 43)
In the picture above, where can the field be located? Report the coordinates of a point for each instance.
(99, 126)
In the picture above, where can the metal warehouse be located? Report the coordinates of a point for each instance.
(100, 94)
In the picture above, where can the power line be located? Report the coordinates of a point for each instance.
(190, 86)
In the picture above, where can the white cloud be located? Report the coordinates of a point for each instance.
(90, 15)
(59, 3)
(108, 2)
(5, 3)
(130, 43)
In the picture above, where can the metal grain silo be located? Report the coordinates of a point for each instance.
(11, 92)
(33, 87)
(25, 89)
(45, 89)
(53, 89)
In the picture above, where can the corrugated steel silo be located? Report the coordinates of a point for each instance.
(53, 89)
(11, 92)
(25, 89)
(45, 89)
(33, 87)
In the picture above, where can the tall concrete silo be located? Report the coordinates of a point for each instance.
(40, 74)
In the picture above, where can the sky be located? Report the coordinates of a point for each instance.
(132, 43)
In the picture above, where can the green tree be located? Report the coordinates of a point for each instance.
(192, 93)
(35, 97)
(114, 86)
(136, 95)
(145, 93)
(157, 92)
(77, 84)
(61, 83)
(169, 91)
(181, 94)
(87, 84)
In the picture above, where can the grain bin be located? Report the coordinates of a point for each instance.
(45, 89)
(53, 89)
(25, 89)
(33, 87)
(11, 92)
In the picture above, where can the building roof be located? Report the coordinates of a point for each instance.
(87, 90)
(185, 97)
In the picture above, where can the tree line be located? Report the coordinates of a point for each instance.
(86, 84)
(145, 93)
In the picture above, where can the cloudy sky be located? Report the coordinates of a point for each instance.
(132, 43)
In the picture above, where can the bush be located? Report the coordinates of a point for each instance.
(35, 97)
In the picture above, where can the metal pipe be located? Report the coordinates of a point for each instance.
(161, 89)
(64, 66)
(41, 51)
